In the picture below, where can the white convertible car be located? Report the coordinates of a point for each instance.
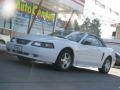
(64, 49)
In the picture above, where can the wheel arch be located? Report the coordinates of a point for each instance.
(102, 69)
(3, 40)
(67, 48)
(110, 58)
(57, 62)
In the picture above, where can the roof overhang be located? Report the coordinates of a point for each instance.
(62, 5)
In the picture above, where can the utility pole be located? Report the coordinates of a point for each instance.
(66, 25)
(33, 20)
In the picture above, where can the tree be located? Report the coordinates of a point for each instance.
(91, 27)
(95, 27)
(70, 26)
(76, 26)
(85, 27)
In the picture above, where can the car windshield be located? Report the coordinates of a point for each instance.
(60, 34)
(70, 35)
(76, 37)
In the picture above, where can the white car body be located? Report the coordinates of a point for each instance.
(84, 55)
(114, 44)
(4, 38)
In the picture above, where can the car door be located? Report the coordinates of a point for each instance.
(90, 52)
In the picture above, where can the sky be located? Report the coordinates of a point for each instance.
(104, 15)
(114, 4)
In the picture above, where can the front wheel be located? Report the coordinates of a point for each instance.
(64, 60)
(106, 66)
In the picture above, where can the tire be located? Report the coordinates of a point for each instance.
(106, 66)
(2, 42)
(24, 59)
(64, 60)
(117, 63)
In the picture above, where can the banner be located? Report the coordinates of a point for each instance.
(25, 13)
(80, 2)
(29, 7)
(99, 3)
(112, 11)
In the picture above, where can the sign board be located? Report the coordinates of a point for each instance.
(25, 13)
(29, 7)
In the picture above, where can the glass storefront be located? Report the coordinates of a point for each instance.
(44, 22)
(1, 22)
(25, 12)
(20, 22)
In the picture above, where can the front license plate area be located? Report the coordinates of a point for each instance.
(18, 48)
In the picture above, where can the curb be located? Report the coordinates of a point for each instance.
(118, 67)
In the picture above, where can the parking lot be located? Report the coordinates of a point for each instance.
(16, 75)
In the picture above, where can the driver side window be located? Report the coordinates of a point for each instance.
(92, 41)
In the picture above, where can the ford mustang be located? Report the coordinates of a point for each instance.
(64, 49)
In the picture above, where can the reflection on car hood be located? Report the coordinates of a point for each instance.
(39, 38)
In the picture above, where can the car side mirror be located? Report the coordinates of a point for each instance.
(86, 43)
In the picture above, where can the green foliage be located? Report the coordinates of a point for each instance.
(73, 26)
(92, 27)
(76, 26)
(70, 26)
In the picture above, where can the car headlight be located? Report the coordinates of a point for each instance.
(12, 39)
(43, 44)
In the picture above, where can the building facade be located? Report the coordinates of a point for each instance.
(46, 17)
(117, 32)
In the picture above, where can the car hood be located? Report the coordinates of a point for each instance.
(40, 38)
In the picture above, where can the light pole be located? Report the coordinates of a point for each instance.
(66, 25)
(33, 20)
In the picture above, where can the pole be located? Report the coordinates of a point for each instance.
(33, 20)
(55, 19)
(4, 26)
(10, 27)
(43, 31)
(66, 25)
(30, 17)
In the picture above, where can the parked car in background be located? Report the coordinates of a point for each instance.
(117, 59)
(4, 35)
(64, 49)
(115, 44)
(4, 39)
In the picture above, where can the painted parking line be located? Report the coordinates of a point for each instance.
(2, 52)
(119, 87)
(3, 49)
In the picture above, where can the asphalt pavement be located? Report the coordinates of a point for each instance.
(16, 75)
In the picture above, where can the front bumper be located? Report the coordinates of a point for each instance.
(37, 53)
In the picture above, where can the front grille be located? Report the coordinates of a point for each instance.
(22, 41)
